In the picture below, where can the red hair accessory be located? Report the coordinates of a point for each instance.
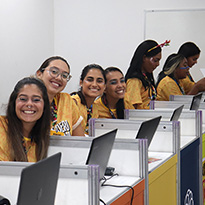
(166, 43)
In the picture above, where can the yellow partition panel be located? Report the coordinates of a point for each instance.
(163, 183)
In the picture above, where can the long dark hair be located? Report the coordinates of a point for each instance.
(172, 62)
(189, 49)
(120, 104)
(41, 130)
(85, 71)
(135, 69)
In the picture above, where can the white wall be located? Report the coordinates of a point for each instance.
(105, 32)
(181, 25)
(26, 39)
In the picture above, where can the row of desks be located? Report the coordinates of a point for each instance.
(164, 181)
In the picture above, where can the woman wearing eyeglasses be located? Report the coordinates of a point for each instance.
(139, 77)
(174, 69)
(92, 85)
(25, 129)
(114, 101)
(66, 120)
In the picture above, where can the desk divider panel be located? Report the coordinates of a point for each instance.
(167, 133)
(128, 157)
(188, 99)
(170, 105)
(195, 144)
(190, 121)
(70, 179)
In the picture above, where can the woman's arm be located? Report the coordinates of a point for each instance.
(78, 131)
(198, 87)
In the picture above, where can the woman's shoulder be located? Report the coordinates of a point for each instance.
(166, 80)
(63, 97)
(98, 101)
(76, 99)
(3, 121)
(128, 104)
(134, 82)
(3, 128)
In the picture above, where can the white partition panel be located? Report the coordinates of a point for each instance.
(163, 140)
(189, 119)
(74, 181)
(75, 151)
(187, 99)
(128, 157)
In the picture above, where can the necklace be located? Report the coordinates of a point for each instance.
(24, 140)
(89, 115)
(54, 112)
(106, 104)
(181, 89)
(190, 78)
(152, 91)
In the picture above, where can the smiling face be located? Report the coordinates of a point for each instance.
(93, 84)
(149, 64)
(29, 105)
(115, 86)
(54, 84)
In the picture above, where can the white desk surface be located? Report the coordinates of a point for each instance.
(108, 194)
(163, 156)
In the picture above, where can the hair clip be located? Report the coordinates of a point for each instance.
(166, 43)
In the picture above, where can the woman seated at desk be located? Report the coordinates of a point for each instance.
(139, 76)
(24, 131)
(92, 82)
(192, 53)
(114, 100)
(175, 69)
(66, 120)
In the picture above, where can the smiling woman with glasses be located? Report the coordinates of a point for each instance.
(55, 72)
(114, 100)
(25, 129)
(66, 119)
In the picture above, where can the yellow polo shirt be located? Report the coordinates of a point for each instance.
(68, 116)
(5, 149)
(83, 112)
(166, 87)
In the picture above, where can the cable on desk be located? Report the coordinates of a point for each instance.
(102, 201)
(119, 186)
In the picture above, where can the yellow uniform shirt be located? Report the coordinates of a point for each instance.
(187, 84)
(166, 87)
(137, 93)
(104, 111)
(5, 145)
(83, 112)
(68, 117)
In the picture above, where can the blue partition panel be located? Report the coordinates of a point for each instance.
(189, 173)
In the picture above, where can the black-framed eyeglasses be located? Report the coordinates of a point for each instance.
(55, 72)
